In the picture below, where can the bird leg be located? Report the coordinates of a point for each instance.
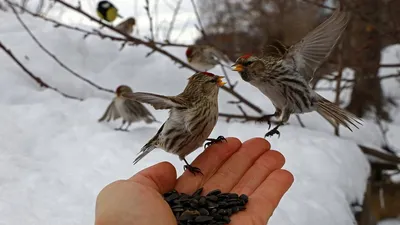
(273, 131)
(192, 169)
(120, 128)
(214, 140)
(126, 128)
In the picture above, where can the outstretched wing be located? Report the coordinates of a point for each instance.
(157, 101)
(313, 49)
(110, 113)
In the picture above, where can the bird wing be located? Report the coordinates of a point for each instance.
(316, 46)
(157, 101)
(110, 113)
(138, 110)
(216, 54)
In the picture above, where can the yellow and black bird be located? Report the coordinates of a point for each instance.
(107, 11)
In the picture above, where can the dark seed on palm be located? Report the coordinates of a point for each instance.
(226, 219)
(233, 196)
(184, 197)
(241, 208)
(213, 211)
(202, 201)
(229, 212)
(212, 198)
(244, 197)
(169, 193)
(178, 209)
(204, 212)
(201, 219)
(222, 212)
(217, 217)
(212, 205)
(189, 214)
(235, 209)
(223, 204)
(172, 197)
(198, 192)
(214, 192)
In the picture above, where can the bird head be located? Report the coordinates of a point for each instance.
(203, 84)
(131, 21)
(248, 66)
(189, 53)
(122, 90)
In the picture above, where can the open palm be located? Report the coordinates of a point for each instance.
(250, 168)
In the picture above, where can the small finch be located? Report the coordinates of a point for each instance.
(130, 110)
(285, 79)
(127, 25)
(204, 57)
(192, 117)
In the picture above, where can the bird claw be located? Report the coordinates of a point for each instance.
(272, 132)
(266, 118)
(213, 141)
(192, 169)
(120, 129)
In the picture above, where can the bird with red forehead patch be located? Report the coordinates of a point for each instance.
(131, 111)
(204, 57)
(192, 116)
(284, 77)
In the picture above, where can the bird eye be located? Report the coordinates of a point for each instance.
(247, 63)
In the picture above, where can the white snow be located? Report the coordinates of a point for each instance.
(55, 157)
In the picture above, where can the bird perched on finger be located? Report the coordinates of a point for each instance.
(285, 78)
(127, 25)
(130, 110)
(192, 117)
(107, 11)
(204, 57)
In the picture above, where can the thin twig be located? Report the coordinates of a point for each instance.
(161, 51)
(171, 25)
(53, 56)
(147, 8)
(35, 78)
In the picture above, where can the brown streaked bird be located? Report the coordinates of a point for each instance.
(192, 117)
(130, 110)
(127, 25)
(285, 78)
(204, 57)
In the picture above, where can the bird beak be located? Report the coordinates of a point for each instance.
(189, 59)
(237, 67)
(220, 83)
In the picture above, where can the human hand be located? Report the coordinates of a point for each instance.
(250, 168)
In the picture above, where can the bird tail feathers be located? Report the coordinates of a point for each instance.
(335, 115)
(146, 149)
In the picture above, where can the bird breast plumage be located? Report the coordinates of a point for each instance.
(287, 90)
(187, 129)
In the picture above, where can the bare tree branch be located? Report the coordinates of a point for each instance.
(35, 78)
(53, 56)
(159, 50)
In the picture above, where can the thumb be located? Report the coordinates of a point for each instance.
(160, 177)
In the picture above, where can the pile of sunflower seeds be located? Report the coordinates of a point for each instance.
(215, 208)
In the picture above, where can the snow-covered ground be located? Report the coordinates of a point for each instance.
(55, 157)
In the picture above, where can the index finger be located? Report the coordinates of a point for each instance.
(209, 162)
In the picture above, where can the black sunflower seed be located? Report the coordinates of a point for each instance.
(202, 201)
(214, 192)
(202, 219)
(212, 198)
(226, 219)
(204, 212)
(172, 197)
(198, 192)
